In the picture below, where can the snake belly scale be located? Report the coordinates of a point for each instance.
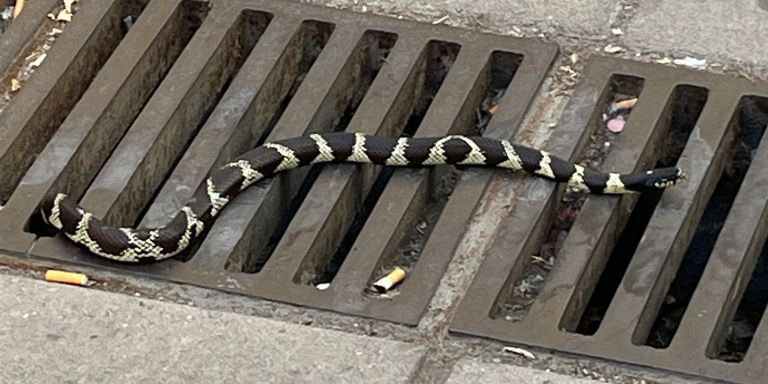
(154, 244)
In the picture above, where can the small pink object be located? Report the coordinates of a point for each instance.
(616, 125)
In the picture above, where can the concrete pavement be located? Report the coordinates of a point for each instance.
(57, 333)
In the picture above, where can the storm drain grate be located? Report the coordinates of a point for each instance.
(134, 115)
(675, 280)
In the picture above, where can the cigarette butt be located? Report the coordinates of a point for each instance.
(17, 8)
(387, 282)
(66, 277)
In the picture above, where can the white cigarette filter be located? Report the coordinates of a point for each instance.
(387, 282)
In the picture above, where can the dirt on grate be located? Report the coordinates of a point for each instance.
(13, 79)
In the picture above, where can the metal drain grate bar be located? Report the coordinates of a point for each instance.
(138, 138)
(554, 315)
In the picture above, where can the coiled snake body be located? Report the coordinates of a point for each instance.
(154, 244)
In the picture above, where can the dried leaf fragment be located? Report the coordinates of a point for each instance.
(519, 351)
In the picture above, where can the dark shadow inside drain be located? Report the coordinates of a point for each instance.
(138, 88)
(293, 62)
(278, 91)
(750, 311)
(17, 72)
(198, 104)
(6, 14)
(524, 286)
(418, 226)
(749, 126)
(435, 62)
(679, 119)
(375, 48)
(65, 94)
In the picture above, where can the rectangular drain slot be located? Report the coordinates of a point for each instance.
(262, 95)
(425, 213)
(748, 126)
(373, 49)
(518, 297)
(439, 58)
(22, 146)
(683, 112)
(740, 332)
(126, 105)
(161, 143)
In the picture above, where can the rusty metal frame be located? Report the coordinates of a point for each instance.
(253, 93)
(652, 268)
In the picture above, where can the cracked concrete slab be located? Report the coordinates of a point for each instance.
(698, 27)
(57, 333)
(469, 370)
(582, 17)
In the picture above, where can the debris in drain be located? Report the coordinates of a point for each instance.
(488, 108)
(519, 351)
(610, 48)
(57, 276)
(618, 111)
(616, 125)
(691, 62)
(390, 280)
(441, 20)
(624, 104)
(6, 14)
(322, 286)
(624, 92)
(38, 61)
(34, 57)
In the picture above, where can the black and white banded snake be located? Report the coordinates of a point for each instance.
(154, 244)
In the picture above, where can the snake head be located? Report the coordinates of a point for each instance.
(664, 177)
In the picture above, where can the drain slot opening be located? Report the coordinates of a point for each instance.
(749, 129)
(374, 49)
(189, 117)
(303, 51)
(679, 119)
(114, 122)
(749, 313)
(419, 225)
(530, 276)
(64, 95)
(438, 57)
